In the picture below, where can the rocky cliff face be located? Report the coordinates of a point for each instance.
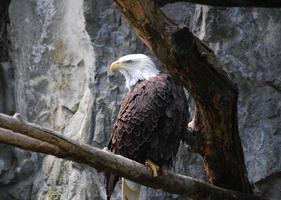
(58, 77)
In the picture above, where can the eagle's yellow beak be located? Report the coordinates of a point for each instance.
(116, 66)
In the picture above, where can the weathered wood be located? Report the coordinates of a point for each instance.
(35, 138)
(229, 3)
(25, 142)
(215, 95)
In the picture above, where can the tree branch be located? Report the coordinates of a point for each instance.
(35, 138)
(229, 3)
(191, 61)
(28, 143)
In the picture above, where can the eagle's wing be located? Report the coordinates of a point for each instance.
(139, 116)
(143, 113)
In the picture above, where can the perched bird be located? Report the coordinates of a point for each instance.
(151, 121)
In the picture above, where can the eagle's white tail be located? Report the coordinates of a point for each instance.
(130, 190)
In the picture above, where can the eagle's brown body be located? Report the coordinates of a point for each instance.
(150, 123)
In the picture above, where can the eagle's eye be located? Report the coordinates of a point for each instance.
(129, 61)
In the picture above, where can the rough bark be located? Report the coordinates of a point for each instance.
(229, 3)
(35, 138)
(25, 142)
(215, 95)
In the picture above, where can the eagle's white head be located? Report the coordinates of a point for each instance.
(135, 67)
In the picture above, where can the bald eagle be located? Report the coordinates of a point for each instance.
(151, 120)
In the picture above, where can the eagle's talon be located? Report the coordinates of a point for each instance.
(153, 167)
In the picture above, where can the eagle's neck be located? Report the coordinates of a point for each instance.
(138, 74)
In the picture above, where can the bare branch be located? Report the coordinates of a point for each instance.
(36, 138)
(229, 3)
(28, 143)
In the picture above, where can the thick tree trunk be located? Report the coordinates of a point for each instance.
(215, 95)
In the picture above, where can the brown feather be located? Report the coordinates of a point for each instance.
(150, 123)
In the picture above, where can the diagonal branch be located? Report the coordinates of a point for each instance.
(35, 138)
(229, 3)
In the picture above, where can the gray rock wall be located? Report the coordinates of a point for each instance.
(60, 52)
